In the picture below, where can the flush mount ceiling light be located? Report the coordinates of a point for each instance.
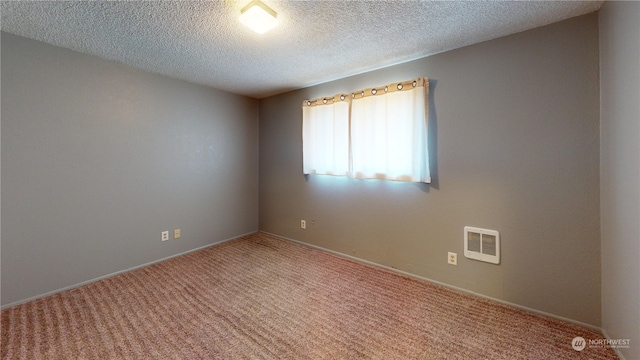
(258, 17)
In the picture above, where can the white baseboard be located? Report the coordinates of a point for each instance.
(520, 307)
(118, 272)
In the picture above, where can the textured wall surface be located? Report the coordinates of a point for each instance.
(620, 188)
(99, 158)
(515, 142)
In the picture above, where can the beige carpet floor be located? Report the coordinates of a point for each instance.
(260, 297)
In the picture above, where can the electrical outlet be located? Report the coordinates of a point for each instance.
(303, 224)
(165, 235)
(452, 258)
(176, 234)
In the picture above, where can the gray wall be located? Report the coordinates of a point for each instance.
(620, 171)
(99, 158)
(516, 147)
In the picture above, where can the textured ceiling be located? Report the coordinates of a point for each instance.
(316, 41)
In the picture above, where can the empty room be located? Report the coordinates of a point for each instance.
(286, 179)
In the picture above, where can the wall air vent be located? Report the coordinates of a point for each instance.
(482, 244)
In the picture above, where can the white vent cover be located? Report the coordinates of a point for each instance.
(482, 244)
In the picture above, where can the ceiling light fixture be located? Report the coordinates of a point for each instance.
(258, 17)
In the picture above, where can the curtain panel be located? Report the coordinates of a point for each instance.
(325, 134)
(376, 133)
(389, 132)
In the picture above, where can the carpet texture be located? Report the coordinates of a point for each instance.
(260, 297)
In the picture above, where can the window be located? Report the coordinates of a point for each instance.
(377, 133)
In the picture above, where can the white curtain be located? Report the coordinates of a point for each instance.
(378, 133)
(389, 133)
(325, 137)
